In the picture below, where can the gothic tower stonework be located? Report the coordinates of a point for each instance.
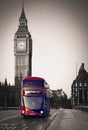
(79, 88)
(22, 50)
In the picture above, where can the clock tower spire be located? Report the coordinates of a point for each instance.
(22, 50)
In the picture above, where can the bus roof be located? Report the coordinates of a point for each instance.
(32, 78)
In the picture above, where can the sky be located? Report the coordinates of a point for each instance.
(59, 30)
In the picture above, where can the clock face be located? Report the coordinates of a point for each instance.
(21, 46)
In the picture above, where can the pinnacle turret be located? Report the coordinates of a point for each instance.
(23, 28)
(22, 17)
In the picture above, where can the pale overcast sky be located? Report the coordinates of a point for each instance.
(59, 29)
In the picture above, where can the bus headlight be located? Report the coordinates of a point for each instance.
(41, 112)
(23, 111)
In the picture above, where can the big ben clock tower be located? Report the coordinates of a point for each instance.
(22, 50)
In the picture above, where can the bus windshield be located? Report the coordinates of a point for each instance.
(33, 102)
(33, 83)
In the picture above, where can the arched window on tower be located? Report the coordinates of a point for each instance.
(85, 84)
(80, 84)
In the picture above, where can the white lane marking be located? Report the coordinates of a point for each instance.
(24, 124)
(24, 128)
(9, 118)
(33, 123)
(14, 128)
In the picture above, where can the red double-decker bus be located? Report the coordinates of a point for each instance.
(35, 97)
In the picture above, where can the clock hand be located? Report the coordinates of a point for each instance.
(21, 45)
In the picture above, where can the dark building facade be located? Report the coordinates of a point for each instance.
(79, 88)
(9, 96)
(22, 50)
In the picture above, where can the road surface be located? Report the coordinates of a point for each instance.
(59, 119)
